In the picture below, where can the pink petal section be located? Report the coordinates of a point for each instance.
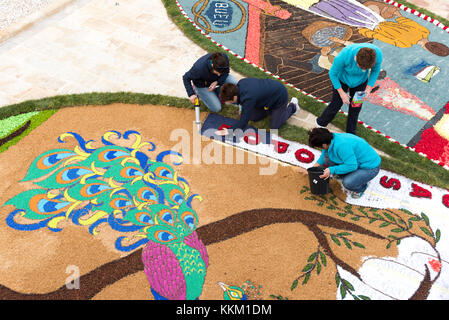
(163, 271)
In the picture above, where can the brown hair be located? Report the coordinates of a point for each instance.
(228, 91)
(320, 136)
(366, 58)
(219, 62)
(437, 48)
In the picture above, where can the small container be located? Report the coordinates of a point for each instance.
(357, 100)
(317, 184)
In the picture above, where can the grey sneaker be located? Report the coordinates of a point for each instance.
(295, 102)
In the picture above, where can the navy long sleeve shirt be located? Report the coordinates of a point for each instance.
(202, 75)
(257, 94)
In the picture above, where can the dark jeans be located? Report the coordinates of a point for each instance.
(334, 106)
(279, 115)
(357, 180)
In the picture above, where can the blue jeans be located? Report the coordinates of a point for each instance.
(210, 98)
(357, 180)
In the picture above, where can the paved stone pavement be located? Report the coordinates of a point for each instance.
(104, 46)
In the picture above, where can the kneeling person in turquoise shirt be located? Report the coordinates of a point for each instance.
(347, 156)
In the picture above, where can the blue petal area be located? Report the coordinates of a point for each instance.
(117, 224)
(143, 159)
(157, 296)
(183, 180)
(130, 132)
(108, 143)
(82, 143)
(120, 247)
(189, 200)
(160, 157)
(95, 224)
(29, 227)
(159, 191)
(76, 215)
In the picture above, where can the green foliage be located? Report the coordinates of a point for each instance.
(346, 287)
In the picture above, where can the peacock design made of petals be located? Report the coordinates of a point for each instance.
(131, 192)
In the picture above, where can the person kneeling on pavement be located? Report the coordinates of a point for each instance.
(346, 156)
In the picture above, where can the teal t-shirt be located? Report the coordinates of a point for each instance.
(345, 69)
(349, 152)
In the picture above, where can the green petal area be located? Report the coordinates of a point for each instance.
(47, 162)
(36, 204)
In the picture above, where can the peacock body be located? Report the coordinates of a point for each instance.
(131, 192)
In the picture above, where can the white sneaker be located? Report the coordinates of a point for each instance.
(295, 102)
(319, 126)
(356, 195)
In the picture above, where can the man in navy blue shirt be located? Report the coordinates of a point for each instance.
(204, 78)
(259, 98)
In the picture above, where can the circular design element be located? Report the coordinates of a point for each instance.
(304, 155)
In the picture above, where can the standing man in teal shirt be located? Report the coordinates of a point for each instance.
(356, 68)
(347, 156)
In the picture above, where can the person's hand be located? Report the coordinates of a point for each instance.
(344, 96)
(192, 98)
(213, 85)
(317, 164)
(326, 174)
(222, 132)
(368, 91)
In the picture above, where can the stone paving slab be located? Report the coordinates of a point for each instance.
(97, 46)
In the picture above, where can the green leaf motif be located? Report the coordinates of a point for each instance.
(389, 217)
(343, 291)
(294, 285)
(359, 245)
(348, 284)
(312, 257)
(364, 297)
(323, 259)
(337, 279)
(397, 230)
(425, 218)
(344, 234)
(306, 279)
(437, 235)
(308, 267)
(318, 268)
(341, 214)
(348, 245)
(385, 224)
(426, 231)
(335, 239)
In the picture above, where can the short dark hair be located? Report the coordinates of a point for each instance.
(219, 62)
(319, 136)
(437, 48)
(228, 91)
(366, 58)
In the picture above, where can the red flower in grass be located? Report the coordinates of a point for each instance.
(435, 264)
